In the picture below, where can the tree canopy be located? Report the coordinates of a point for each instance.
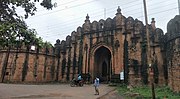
(12, 24)
(8, 8)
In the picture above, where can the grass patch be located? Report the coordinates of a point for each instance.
(144, 92)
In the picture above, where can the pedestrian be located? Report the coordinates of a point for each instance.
(96, 85)
(35, 77)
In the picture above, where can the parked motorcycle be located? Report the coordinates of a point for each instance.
(75, 82)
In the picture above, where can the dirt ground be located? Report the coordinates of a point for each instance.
(55, 91)
(111, 95)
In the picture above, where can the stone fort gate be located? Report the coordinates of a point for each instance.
(101, 48)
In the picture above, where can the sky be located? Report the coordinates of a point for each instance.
(68, 15)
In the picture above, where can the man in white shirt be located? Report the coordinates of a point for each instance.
(96, 85)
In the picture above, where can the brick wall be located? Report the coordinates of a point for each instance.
(174, 73)
(40, 66)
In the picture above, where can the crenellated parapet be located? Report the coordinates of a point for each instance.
(118, 22)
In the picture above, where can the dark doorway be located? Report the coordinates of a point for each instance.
(104, 69)
(102, 66)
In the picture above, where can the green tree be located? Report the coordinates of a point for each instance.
(13, 27)
(8, 8)
(11, 23)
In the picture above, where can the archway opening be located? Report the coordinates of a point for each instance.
(102, 64)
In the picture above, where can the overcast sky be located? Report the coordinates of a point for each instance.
(69, 14)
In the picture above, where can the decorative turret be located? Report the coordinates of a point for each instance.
(120, 20)
(87, 18)
(57, 47)
(153, 24)
(118, 11)
(86, 25)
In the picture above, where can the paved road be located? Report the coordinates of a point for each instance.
(51, 91)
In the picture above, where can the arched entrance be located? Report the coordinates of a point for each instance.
(102, 63)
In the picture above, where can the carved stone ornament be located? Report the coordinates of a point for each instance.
(138, 26)
(130, 23)
(117, 44)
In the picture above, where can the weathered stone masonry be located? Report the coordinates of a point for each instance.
(98, 48)
(172, 46)
(39, 66)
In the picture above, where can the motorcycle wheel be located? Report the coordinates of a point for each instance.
(72, 84)
(81, 84)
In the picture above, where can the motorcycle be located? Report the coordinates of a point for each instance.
(75, 82)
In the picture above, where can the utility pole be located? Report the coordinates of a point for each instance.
(147, 34)
(179, 6)
(149, 50)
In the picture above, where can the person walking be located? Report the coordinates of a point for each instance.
(96, 85)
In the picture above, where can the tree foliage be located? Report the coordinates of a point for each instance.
(8, 8)
(10, 31)
(12, 25)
